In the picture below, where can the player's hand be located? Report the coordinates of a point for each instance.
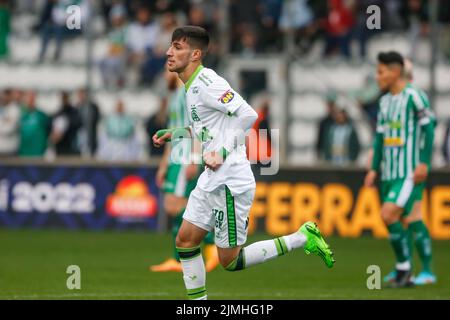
(420, 173)
(191, 171)
(369, 181)
(160, 176)
(213, 160)
(159, 142)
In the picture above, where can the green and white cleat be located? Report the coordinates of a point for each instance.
(315, 243)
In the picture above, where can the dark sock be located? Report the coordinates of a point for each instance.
(422, 242)
(399, 241)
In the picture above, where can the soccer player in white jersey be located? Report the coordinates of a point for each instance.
(222, 199)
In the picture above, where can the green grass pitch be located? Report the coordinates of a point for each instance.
(114, 265)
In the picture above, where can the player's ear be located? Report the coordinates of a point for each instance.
(196, 55)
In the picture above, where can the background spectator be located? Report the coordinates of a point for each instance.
(141, 39)
(341, 141)
(34, 128)
(53, 25)
(368, 97)
(415, 15)
(296, 17)
(65, 128)
(157, 122)
(338, 28)
(325, 124)
(113, 66)
(261, 149)
(9, 124)
(89, 117)
(157, 57)
(117, 140)
(5, 21)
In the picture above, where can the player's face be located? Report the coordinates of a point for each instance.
(178, 56)
(386, 76)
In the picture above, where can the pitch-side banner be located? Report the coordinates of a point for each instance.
(338, 202)
(78, 197)
(96, 197)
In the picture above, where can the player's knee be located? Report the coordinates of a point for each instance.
(224, 262)
(388, 216)
(232, 263)
(184, 241)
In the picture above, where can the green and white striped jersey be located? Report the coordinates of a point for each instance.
(400, 118)
(178, 118)
(177, 109)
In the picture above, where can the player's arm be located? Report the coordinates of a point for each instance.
(167, 135)
(243, 119)
(425, 119)
(221, 97)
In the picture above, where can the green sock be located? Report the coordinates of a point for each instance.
(422, 241)
(410, 237)
(176, 224)
(399, 241)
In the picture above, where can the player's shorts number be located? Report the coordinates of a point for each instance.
(218, 214)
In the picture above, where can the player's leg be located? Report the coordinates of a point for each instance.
(395, 195)
(231, 222)
(210, 249)
(174, 208)
(197, 222)
(194, 274)
(211, 254)
(422, 240)
(174, 205)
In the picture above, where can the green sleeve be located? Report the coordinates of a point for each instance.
(177, 133)
(377, 151)
(427, 148)
(426, 120)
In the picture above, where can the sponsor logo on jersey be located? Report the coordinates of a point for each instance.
(132, 199)
(393, 142)
(226, 97)
(395, 125)
(194, 114)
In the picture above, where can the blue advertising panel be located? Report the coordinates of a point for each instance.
(70, 197)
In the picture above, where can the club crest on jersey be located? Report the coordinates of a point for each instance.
(226, 97)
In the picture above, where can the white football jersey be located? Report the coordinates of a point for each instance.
(210, 103)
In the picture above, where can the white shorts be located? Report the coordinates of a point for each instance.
(222, 212)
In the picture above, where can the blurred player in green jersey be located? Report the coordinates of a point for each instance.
(402, 156)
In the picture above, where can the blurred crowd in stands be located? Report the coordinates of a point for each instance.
(79, 129)
(138, 34)
(76, 129)
(139, 31)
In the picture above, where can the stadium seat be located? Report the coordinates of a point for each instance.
(442, 107)
(302, 157)
(302, 133)
(307, 106)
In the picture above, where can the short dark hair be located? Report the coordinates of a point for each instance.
(197, 37)
(391, 57)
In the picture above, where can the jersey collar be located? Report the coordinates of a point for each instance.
(192, 77)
